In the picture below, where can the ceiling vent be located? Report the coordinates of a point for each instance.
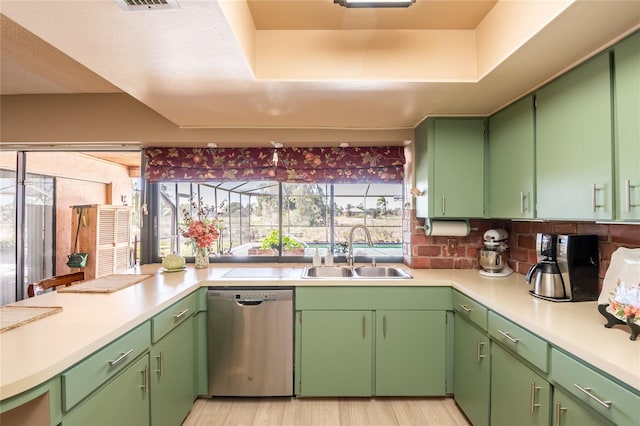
(128, 5)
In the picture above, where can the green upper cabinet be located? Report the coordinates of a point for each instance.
(410, 353)
(449, 167)
(574, 178)
(510, 162)
(627, 127)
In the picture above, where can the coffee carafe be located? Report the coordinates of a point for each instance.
(546, 274)
(567, 268)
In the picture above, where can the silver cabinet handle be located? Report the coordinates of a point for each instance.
(145, 379)
(587, 391)
(364, 325)
(522, 196)
(160, 369)
(464, 307)
(122, 356)
(559, 410)
(627, 195)
(594, 202)
(384, 326)
(479, 346)
(533, 404)
(443, 206)
(508, 336)
(178, 315)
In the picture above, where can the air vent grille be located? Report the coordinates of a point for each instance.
(147, 4)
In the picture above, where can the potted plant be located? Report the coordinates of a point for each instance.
(269, 245)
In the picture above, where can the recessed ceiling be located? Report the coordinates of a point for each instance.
(249, 67)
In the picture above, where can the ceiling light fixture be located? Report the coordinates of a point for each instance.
(212, 145)
(343, 144)
(375, 3)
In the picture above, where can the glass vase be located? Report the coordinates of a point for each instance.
(202, 258)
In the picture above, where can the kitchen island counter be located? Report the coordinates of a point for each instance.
(38, 351)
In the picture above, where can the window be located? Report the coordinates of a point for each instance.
(272, 221)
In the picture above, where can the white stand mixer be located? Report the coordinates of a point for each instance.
(491, 258)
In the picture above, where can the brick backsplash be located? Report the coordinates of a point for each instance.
(423, 252)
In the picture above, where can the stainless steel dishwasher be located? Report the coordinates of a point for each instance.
(250, 342)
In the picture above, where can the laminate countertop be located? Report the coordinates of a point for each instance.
(40, 350)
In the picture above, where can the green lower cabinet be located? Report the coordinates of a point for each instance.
(518, 394)
(173, 376)
(568, 412)
(472, 371)
(336, 353)
(123, 401)
(410, 353)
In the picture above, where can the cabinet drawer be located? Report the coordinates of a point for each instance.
(470, 309)
(595, 390)
(94, 370)
(520, 341)
(373, 298)
(174, 315)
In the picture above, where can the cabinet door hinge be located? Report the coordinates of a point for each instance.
(535, 102)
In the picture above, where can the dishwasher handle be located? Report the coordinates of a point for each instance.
(249, 302)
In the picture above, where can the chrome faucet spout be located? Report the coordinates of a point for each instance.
(350, 248)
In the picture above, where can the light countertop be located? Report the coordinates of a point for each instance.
(36, 352)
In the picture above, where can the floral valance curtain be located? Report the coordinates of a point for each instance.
(327, 165)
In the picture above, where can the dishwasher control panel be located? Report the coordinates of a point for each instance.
(254, 295)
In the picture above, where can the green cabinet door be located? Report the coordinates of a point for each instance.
(627, 127)
(123, 401)
(471, 371)
(510, 162)
(410, 353)
(569, 412)
(450, 167)
(336, 353)
(172, 375)
(518, 394)
(574, 174)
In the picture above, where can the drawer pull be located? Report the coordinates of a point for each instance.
(587, 391)
(122, 356)
(508, 336)
(178, 315)
(464, 307)
(479, 347)
(559, 411)
(533, 404)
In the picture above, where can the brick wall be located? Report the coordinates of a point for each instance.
(422, 252)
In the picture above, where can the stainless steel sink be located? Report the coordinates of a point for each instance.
(380, 272)
(327, 272)
(360, 272)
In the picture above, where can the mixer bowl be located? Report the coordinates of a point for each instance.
(491, 260)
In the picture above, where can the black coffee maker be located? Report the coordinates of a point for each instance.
(567, 268)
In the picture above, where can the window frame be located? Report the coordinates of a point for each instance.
(152, 195)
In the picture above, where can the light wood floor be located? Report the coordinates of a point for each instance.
(325, 412)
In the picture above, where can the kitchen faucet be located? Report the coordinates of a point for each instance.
(350, 248)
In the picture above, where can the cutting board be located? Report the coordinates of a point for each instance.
(106, 284)
(15, 316)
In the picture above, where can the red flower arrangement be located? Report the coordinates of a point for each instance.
(199, 227)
